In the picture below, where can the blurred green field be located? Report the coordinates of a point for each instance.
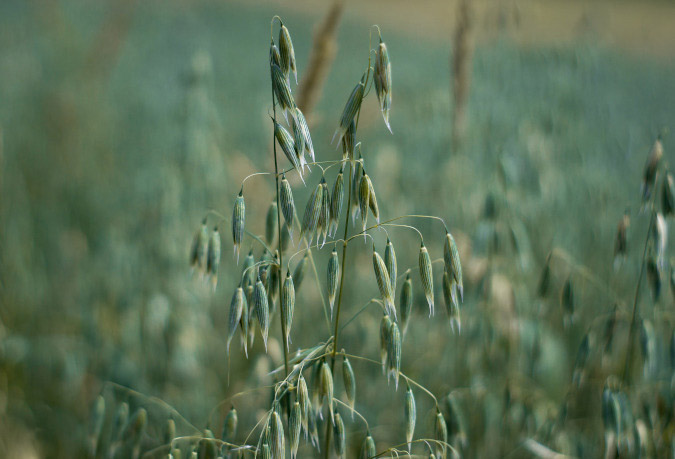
(122, 126)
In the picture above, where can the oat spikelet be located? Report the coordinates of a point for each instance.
(333, 278)
(394, 353)
(230, 426)
(654, 277)
(294, 428)
(96, 423)
(326, 390)
(324, 215)
(340, 436)
(301, 123)
(336, 202)
(303, 400)
(170, 432)
(252, 313)
(452, 263)
(121, 418)
(357, 172)
(384, 283)
(364, 199)
(406, 301)
(244, 320)
(135, 428)
(299, 140)
(199, 248)
(287, 54)
(262, 309)
(426, 274)
(410, 415)
(247, 272)
(368, 449)
(287, 306)
(287, 204)
(348, 140)
(651, 168)
(385, 329)
(583, 354)
(213, 257)
(238, 218)
(382, 79)
(277, 436)
(660, 235)
(621, 240)
(313, 430)
(451, 303)
(349, 381)
(271, 223)
(236, 310)
(273, 281)
(372, 202)
(275, 57)
(351, 108)
(312, 213)
(390, 262)
(282, 90)
(441, 432)
(285, 241)
(668, 195)
(287, 144)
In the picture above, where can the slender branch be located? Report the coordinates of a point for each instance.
(281, 260)
(360, 233)
(316, 274)
(336, 330)
(339, 303)
(631, 332)
(421, 440)
(365, 421)
(415, 383)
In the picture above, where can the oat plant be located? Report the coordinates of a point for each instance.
(305, 407)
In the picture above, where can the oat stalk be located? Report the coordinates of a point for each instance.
(276, 189)
(631, 332)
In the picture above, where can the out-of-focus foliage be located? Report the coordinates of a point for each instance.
(122, 126)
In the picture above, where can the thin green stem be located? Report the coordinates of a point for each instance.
(403, 226)
(339, 305)
(316, 274)
(371, 301)
(631, 332)
(281, 260)
(365, 421)
(415, 383)
(402, 445)
(360, 233)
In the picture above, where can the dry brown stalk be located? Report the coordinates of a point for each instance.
(320, 60)
(461, 72)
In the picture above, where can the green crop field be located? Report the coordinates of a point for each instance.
(124, 124)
